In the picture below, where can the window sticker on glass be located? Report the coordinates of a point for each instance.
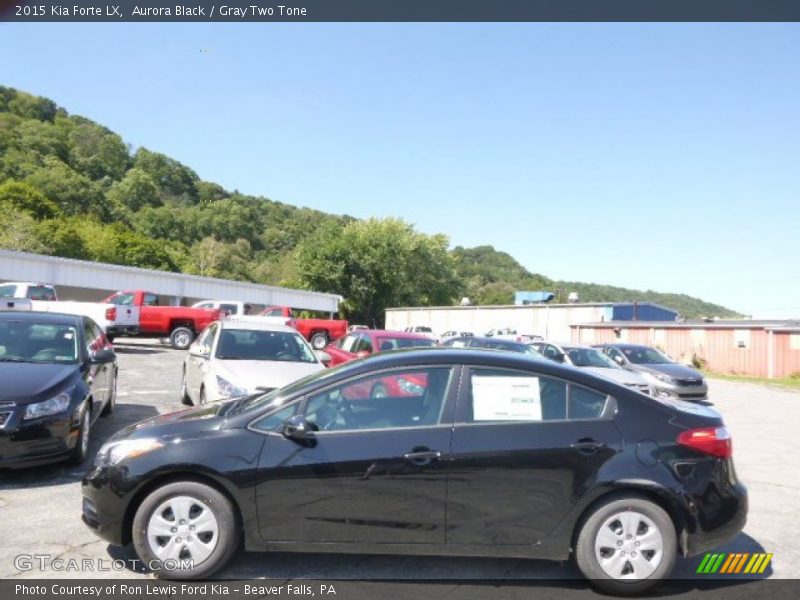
(506, 399)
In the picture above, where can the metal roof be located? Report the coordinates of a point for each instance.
(23, 266)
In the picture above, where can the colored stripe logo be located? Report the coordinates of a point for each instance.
(735, 562)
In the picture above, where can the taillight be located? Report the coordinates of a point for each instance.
(111, 314)
(715, 441)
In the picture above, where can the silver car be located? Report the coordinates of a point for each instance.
(594, 361)
(668, 378)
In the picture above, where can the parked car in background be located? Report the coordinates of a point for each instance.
(319, 332)
(235, 358)
(180, 324)
(226, 307)
(488, 343)
(495, 454)
(505, 333)
(29, 290)
(593, 361)
(454, 334)
(358, 344)
(668, 378)
(58, 374)
(423, 330)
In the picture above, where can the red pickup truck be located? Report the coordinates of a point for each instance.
(180, 324)
(319, 332)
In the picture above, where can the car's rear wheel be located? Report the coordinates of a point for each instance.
(626, 545)
(185, 530)
(181, 338)
(185, 398)
(319, 340)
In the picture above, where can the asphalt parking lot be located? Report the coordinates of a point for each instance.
(40, 508)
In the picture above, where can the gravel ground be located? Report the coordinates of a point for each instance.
(40, 508)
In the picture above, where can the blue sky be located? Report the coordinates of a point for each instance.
(651, 156)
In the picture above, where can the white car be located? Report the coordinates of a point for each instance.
(505, 333)
(227, 307)
(594, 361)
(239, 358)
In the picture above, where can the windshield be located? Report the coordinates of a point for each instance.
(249, 344)
(33, 342)
(645, 356)
(589, 357)
(390, 343)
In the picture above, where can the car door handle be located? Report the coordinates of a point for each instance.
(588, 446)
(422, 457)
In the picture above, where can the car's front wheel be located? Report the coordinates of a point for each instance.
(185, 530)
(626, 545)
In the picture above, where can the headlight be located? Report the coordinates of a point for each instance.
(114, 452)
(55, 405)
(228, 390)
(664, 378)
(409, 387)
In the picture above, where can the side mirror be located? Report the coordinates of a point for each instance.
(559, 357)
(102, 356)
(323, 357)
(363, 353)
(618, 360)
(201, 351)
(297, 428)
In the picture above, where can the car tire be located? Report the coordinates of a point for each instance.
(182, 503)
(111, 403)
(181, 338)
(626, 545)
(319, 340)
(81, 449)
(185, 398)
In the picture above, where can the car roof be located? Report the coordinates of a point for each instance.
(255, 326)
(48, 318)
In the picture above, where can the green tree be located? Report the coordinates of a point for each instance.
(24, 197)
(95, 151)
(135, 191)
(19, 231)
(176, 183)
(376, 264)
(76, 194)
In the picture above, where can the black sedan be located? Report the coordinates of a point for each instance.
(58, 373)
(474, 453)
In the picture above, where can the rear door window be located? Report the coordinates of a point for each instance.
(41, 292)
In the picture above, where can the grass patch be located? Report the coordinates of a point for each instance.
(792, 382)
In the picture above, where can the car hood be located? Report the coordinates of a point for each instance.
(25, 383)
(253, 374)
(183, 423)
(617, 375)
(674, 370)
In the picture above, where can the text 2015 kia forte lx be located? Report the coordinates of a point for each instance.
(475, 453)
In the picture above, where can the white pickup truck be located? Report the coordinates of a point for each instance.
(115, 320)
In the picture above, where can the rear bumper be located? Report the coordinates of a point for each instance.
(719, 517)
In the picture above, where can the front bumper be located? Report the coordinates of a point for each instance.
(102, 509)
(38, 441)
(688, 393)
